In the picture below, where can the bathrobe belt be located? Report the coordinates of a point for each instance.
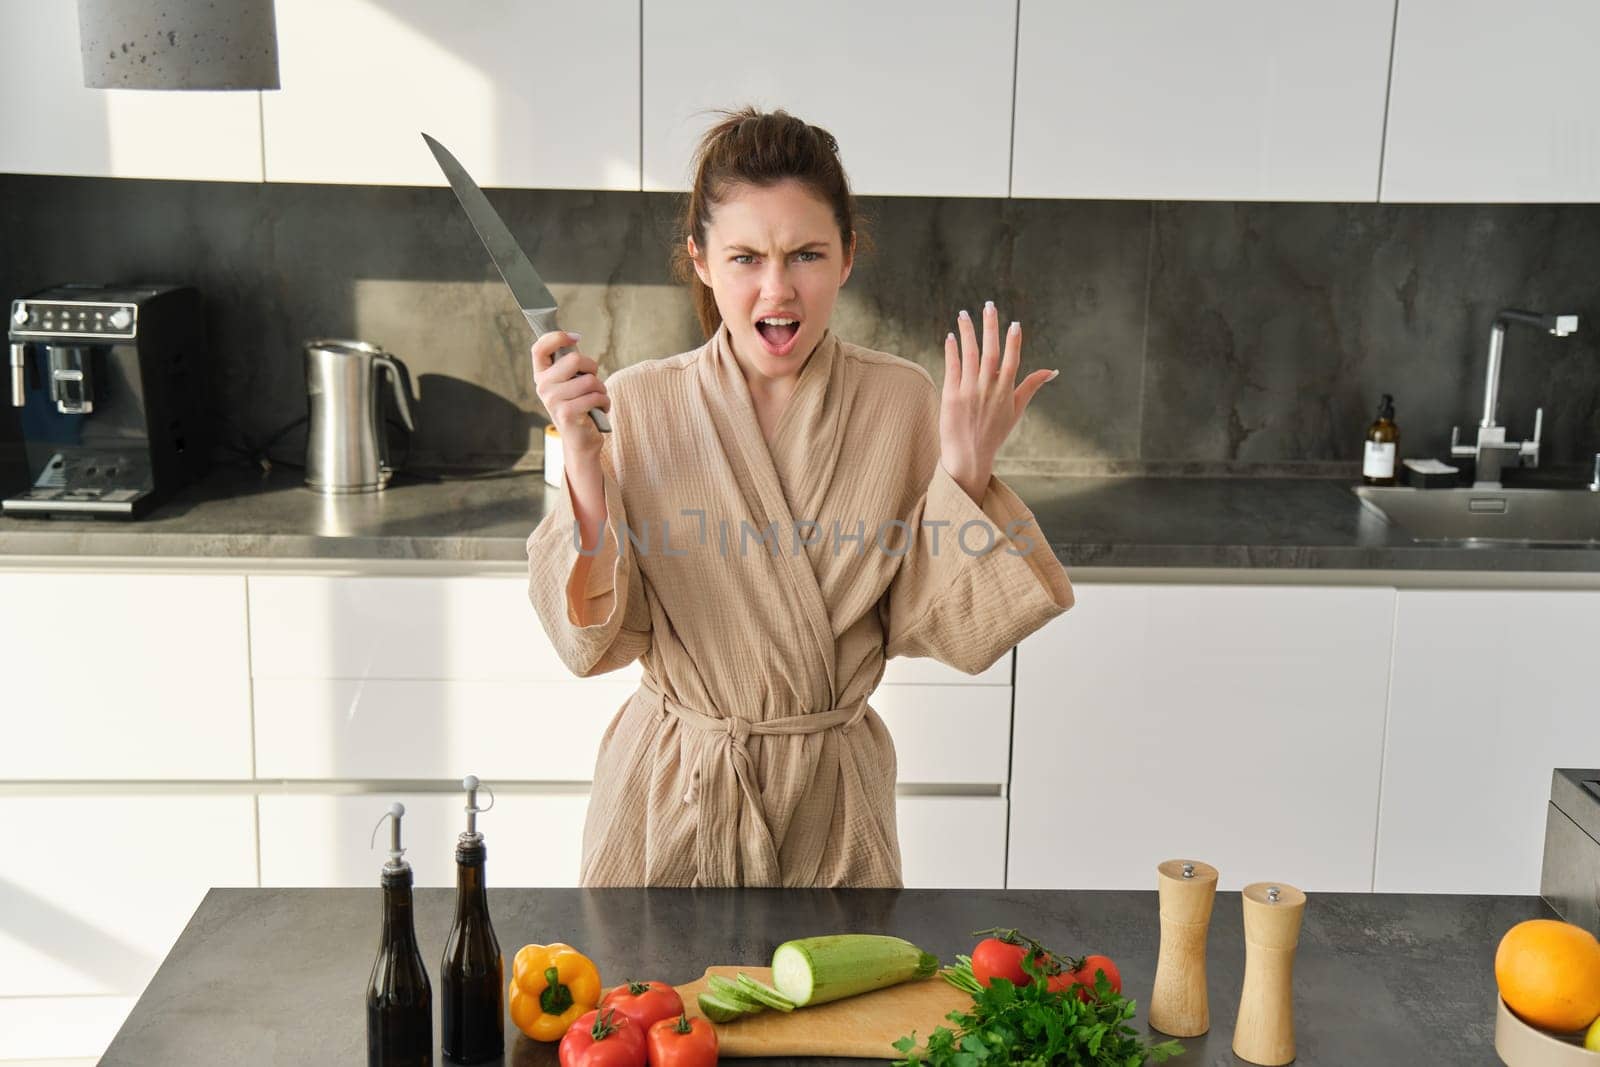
(733, 801)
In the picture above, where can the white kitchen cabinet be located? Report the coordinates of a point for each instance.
(423, 677)
(380, 728)
(530, 93)
(322, 839)
(51, 124)
(1173, 100)
(327, 626)
(124, 676)
(1239, 725)
(1492, 690)
(477, 628)
(536, 839)
(917, 92)
(952, 842)
(94, 889)
(948, 734)
(1491, 102)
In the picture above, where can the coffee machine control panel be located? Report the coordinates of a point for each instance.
(55, 320)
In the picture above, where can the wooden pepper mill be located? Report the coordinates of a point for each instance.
(1264, 1033)
(1178, 1004)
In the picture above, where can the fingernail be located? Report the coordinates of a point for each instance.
(1053, 376)
(1015, 326)
(575, 336)
(951, 336)
(988, 305)
(964, 314)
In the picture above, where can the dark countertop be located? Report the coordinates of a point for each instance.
(278, 976)
(1279, 522)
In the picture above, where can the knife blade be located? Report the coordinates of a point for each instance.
(533, 296)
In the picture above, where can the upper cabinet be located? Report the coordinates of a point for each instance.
(1493, 102)
(51, 124)
(1174, 100)
(917, 92)
(526, 94)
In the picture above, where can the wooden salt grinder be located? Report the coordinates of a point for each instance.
(1178, 1004)
(1264, 1033)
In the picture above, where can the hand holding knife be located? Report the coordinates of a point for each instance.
(533, 296)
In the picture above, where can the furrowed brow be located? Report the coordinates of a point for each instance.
(807, 247)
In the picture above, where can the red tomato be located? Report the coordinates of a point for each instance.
(1084, 977)
(644, 1002)
(994, 958)
(596, 1040)
(682, 1043)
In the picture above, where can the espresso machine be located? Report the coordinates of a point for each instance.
(107, 411)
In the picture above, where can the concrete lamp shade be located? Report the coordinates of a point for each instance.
(178, 44)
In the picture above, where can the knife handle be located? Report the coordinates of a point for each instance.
(546, 323)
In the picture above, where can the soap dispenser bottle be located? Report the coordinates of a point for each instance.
(1380, 459)
(472, 975)
(399, 998)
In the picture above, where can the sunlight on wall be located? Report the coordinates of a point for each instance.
(456, 94)
(183, 134)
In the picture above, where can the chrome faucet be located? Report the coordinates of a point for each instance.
(1492, 452)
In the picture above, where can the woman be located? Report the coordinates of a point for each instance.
(774, 514)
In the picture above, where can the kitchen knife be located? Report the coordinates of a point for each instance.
(533, 296)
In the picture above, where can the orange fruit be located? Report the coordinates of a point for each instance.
(1549, 973)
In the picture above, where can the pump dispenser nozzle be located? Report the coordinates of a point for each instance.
(471, 784)
(396, 853)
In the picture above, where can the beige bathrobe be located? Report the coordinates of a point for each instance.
(762, 591)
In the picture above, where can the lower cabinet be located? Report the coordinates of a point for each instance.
(1493, 690)
(397, 728)
(323, 839)
(104, 670)
(952, 842)
(94, 889)
(535, 839)
(1238, 725)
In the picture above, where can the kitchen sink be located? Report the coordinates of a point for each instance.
(1537, 518)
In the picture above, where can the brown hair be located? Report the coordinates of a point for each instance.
(757, 148)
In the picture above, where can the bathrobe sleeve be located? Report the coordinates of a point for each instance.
(976, 577)
(604, 624)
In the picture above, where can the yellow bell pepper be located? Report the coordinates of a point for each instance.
(551, 985)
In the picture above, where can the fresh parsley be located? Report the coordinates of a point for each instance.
(1029, 1024)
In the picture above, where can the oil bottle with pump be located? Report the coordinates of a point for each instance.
(399, 997)
(472, 974)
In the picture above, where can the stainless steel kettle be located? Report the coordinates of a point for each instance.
(347, 450)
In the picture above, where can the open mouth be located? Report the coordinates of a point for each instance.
(778, 333)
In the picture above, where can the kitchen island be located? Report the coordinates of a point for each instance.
(278, 976)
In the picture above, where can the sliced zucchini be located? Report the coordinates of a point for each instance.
(764, 994)
(718, 1010)
(726, 989)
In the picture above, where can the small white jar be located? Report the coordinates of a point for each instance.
(552, 456)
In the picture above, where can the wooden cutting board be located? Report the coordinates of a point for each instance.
(866, 1026)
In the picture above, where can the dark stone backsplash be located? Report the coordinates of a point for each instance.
(1193, 338)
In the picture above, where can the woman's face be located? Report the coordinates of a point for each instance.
(773, 252)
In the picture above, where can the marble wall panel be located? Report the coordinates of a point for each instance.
(1193, 338)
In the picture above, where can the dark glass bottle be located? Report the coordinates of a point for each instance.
(399, 998)
(472, 975)
(1380, 461)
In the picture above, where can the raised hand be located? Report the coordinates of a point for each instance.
(569, 387)
(981, 402)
